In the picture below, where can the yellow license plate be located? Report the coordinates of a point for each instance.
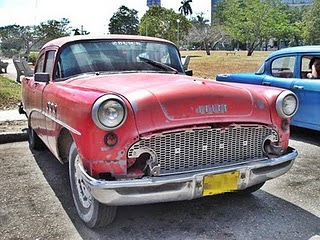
(220, 183)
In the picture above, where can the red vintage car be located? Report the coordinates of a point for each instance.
(136, 129)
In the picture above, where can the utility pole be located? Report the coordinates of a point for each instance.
(178, 21)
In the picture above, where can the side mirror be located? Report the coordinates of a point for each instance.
(42, 77)
(188, 72)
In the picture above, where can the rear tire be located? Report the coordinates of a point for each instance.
(35, 142)
(251, 189)
(92, 213)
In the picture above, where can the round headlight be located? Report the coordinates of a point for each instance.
(109, 112)
(287, 104)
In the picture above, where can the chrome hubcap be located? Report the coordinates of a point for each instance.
(85, 196)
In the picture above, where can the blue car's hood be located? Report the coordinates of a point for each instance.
(250, 78)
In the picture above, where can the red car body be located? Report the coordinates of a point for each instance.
(136, 162)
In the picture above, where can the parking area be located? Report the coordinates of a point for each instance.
(36, 192)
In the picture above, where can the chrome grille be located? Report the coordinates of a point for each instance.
(204, 148)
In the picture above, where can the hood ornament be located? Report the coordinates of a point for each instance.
(212, 108)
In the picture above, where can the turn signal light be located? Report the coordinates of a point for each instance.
(285, 125)
(111, 139)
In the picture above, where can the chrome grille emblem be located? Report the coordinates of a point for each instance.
(213, 108)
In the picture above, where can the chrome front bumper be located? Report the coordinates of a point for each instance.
(183, 186)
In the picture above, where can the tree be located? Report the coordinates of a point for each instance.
(252, 22)
(16, 38)
(185, 7)
(11, 39)
(49, 30)
(124, 21)
(311, 23)
(208, 36)
(163, 23)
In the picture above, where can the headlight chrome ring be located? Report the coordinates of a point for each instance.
(109, 112)
(287, 104)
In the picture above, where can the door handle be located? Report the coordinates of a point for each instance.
(266, 83)
(298, 87)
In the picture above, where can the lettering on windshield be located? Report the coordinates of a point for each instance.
(125, 43)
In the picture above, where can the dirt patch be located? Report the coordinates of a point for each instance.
(14, 126)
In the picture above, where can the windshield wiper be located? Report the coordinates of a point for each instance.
(159, 65)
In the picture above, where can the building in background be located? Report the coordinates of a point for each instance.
(292, 3)
(151, 3)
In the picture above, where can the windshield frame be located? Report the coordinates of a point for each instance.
(62, 48)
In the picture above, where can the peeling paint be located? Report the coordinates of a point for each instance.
(165, 111)
(260, 104)
(103, 149)
(120, 155)
(135, 106)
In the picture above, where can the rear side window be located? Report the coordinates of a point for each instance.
(49, 62)
(40, 64)
(283, 67)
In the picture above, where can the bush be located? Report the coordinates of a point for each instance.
(33, 57)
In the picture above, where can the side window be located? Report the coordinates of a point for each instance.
(305, 65)
(283, 67)
(49, 62)
(40, 64)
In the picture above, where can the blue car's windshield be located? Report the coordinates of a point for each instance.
(116, 56)
(261, 69)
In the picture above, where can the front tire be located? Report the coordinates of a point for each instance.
(35, 142)
(92, 212)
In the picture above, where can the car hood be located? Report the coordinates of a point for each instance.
(163, 101)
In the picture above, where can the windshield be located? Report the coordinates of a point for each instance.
(116, 56)
(261, 69)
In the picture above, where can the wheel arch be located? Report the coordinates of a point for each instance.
(65, 139)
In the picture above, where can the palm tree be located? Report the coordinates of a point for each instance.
(185, 8)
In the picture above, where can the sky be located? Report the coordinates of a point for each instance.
(93, 15)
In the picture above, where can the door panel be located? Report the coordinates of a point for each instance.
(35, 90)
(308, 93)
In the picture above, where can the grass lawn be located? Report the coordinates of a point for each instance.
(10, 93)
(202, 65)
(219, 62)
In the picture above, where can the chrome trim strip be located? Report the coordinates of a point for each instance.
(61, 123)
(182, 186)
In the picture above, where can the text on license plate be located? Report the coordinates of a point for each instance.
(220, 183)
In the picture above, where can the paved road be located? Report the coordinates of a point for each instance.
(29, 208)
(285, 208)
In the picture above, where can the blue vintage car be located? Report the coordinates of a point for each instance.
(288, 68)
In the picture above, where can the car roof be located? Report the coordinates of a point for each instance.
(64, 40)
(300, 49)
